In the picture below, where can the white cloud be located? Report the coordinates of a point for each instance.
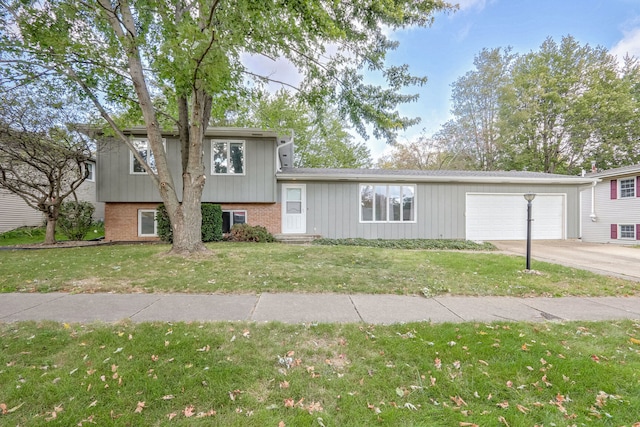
(630, 44)
(278, 70)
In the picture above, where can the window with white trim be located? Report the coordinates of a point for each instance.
(628, 231)
(627, 188)
(230, 218)
(227, 157)
(144, 148)
(387, 203)
(90, 171)
(147, 224)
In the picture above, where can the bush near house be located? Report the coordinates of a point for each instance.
(250, 233)
(211, 223)
(76, 219)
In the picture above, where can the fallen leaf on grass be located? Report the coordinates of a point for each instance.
(172, 415)
(458, 400)
(139, 407)
(465, 424)
(188, 411)
(503, 405)
(503, 421)
(5, 411)
(635, 341)
(522, 409)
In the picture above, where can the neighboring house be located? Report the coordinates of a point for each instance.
(611, 206)
(15, 213)
(249, 174)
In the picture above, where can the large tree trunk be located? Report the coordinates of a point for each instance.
(50, 235)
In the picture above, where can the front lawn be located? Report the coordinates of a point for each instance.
(245, 374)
(257, 268)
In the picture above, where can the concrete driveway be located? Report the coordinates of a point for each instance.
(601, 258)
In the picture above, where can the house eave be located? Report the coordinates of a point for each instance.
(436, 179)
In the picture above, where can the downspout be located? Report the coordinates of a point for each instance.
(593, 215)
(278, 163)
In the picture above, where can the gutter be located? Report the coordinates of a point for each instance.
(435, 179)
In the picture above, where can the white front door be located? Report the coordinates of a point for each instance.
(294, 209)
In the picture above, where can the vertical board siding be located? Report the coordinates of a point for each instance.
(333, 210)
(116, 184)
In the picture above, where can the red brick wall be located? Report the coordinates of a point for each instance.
(121, 219)
(121, 222)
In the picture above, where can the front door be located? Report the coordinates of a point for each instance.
(294, 216)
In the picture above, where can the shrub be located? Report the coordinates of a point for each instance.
(76, 219)
(211, 223)
(165, 232)
(442, 244)
(250, 233)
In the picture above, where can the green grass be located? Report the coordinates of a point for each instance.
(257, 268)
(35, 235)
(514, 374)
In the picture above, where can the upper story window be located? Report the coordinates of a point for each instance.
(144, 148)
(387, 203)
(227, 157)
(627, 188)
(91, 171)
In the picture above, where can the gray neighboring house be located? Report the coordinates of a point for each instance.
(611, 206)
(249, 174)
(15, 213)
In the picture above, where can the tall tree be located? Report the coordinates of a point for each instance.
(320, 141)
(187, 53)
(42, 160)
(474, 132)
(557, 106)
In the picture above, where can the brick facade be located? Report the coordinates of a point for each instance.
(121, 219)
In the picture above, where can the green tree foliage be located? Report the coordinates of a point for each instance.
(76, 219)
(474, 137)
(551, 110)
(179, 61)
(321, 141)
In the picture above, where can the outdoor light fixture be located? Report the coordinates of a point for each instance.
(529, 198)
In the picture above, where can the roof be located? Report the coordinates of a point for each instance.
(624, 170)
(210, 132)
(377, 175)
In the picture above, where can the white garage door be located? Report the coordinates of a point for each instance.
(504, 216)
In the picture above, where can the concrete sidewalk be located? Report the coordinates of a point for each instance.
(308, 308)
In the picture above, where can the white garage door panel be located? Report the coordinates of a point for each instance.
(504, 217)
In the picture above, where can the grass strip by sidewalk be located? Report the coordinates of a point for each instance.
(257, 268)
(516, 374)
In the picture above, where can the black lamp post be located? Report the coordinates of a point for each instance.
(529, 198)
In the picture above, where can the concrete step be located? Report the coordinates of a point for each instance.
(296, 239)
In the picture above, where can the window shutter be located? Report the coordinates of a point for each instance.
(614, 231)
(614, 189)
(637, 186)
(637, 231)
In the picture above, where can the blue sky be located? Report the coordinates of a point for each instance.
(446, 50)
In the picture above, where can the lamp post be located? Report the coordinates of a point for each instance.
(529, 198)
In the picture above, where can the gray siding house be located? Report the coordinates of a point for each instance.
(249, 174)
(611, 206)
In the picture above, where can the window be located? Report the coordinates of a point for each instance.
(227, 157)
(90, 171)
(628, 231)
(627, 188)
(142, 146)
(147, 225)
(229, 218)
(387, 203)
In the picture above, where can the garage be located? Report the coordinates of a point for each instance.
(503, 216)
